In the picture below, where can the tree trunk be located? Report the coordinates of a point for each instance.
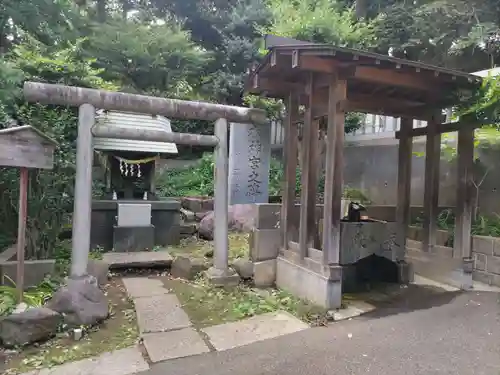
(361, 9)
(101, 11)
(4, 42)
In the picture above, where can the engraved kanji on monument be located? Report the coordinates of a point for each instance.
(249, 160)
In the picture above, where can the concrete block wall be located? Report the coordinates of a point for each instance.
(371, 166)
(34, 270)
(485, 253)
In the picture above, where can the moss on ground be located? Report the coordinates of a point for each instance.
(198, 248)
(117, 332)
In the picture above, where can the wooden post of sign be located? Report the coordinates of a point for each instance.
(21, 231)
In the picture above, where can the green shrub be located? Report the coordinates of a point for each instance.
(482, 226)
(33, 297)
(198, 180)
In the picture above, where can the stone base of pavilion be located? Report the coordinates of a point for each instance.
(309, 279)
(367, 251)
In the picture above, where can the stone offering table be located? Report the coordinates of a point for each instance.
(165, 219)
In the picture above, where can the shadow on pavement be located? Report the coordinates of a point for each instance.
(407, 299)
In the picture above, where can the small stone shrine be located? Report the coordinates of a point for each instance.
(131, 217)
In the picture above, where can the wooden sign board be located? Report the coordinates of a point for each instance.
(25, 146)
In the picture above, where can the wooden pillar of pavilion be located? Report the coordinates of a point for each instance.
(337, 92)
(308, 177)
(431, 185)
(290, 165)
(404, 187)
(464, 201)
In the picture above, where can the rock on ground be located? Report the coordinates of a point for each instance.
(187, 268)
(32, 325)
(81, 302)
(244, 268)
(240, 218)
(99, 269)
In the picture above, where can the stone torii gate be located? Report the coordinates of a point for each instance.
(88, 100)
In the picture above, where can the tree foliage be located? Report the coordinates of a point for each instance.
(158, 59)
(50, 191)
(320, 21)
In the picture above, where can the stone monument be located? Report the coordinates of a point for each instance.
(249, 160)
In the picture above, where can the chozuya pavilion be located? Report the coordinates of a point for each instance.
(330, 81)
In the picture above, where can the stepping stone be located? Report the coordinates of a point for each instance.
(257, 328)
(120, 362)
(160, 313)
(174, 344)
(139, 259)
(143, 287)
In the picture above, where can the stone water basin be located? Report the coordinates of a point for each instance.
(366, 253)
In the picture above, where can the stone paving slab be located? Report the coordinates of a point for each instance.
(174, 344)
(160, 313)
(143, 287)
(257, 328)
(353, 309)
(138, 259)
(120, 362)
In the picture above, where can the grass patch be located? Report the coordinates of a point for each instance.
(207, 305)
(117, 332)
(198, 248)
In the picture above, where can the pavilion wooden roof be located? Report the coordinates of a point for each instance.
(375, 83)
